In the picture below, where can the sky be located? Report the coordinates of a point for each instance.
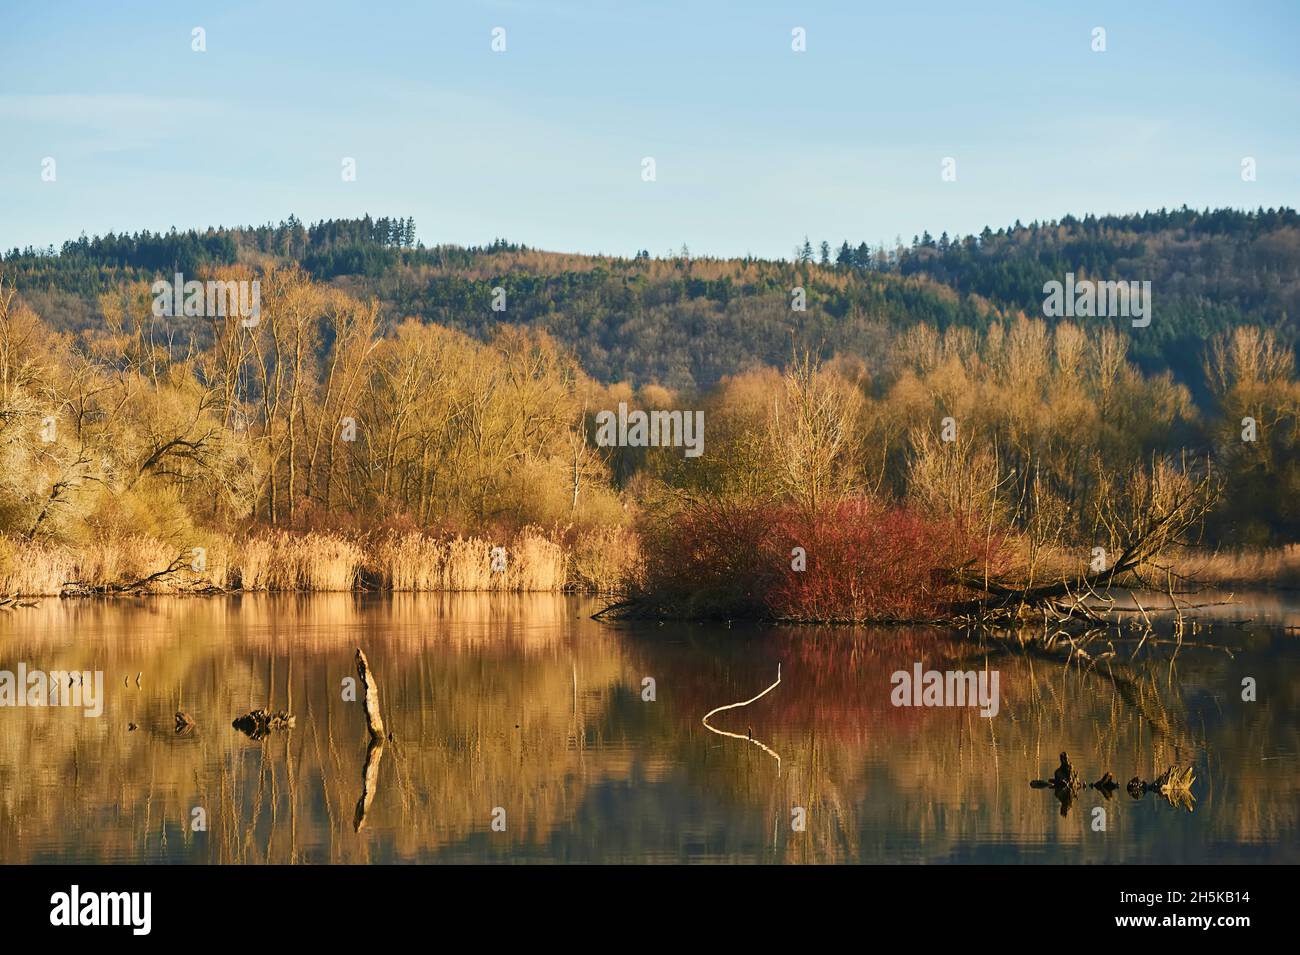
(754, 145)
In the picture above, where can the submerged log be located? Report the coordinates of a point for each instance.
(1067, 779)
(370, 698)
(1174, 785)
(1065, 776)
(257, 724)
(1107, 784)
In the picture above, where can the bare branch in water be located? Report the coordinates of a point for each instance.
(747, 738)
(374, 722)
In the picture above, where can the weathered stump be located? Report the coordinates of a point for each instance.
(370, 699)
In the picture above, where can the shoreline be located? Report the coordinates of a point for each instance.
(600, 562)
(531, 560)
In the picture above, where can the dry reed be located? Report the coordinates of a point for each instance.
(281, 561)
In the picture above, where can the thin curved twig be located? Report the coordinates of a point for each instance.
(749, 739)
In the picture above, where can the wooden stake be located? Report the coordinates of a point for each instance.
(371, 699)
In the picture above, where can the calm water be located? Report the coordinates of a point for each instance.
(524, 703)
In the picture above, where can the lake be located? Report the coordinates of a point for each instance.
(520, 710)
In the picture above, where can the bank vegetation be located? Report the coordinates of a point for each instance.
(1027, 467)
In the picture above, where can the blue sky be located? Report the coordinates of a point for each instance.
(754, 144)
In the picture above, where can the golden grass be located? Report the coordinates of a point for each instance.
(596, 560)
(606, 560)
(325, 562)
(535, 562)
(1278, 567)
(411, 561)
(34, 569)
(281, 561)
(121, 561)
(1249, 569)
(407, 562)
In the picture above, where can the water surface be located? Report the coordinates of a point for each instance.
(524, 704)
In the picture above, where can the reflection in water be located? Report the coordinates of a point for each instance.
(523, 702)
(375, 750)
(749, 737)
(369, 780)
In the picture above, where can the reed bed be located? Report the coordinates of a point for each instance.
(539, 563)
(33, 569)
(532, 560)
(606, 560)
(283, 561)
(1277, 567)
(132, 558)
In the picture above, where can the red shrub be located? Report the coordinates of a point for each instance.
(711, 559)
(871, 561)
(865, 560)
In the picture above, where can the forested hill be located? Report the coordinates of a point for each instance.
(685, 321)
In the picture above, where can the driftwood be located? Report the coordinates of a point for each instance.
(1157, 524)
(258, 724)
(749, 736)
(625, 607)
(369, 781)
(370, 698)
(375, 751)
(76, 588)
(1175, 785)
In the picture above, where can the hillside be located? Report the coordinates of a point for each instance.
(686, 322)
